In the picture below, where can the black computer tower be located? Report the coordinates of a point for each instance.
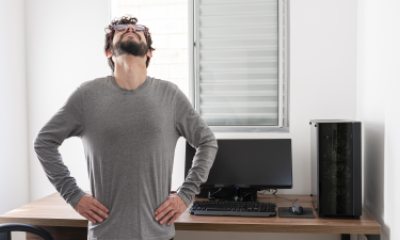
(336, 167)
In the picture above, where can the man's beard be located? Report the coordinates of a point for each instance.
(131, 47)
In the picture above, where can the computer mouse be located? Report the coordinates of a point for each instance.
(296, 209)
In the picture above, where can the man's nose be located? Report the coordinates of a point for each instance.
(130, 28)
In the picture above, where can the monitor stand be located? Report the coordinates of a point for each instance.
(230, 194)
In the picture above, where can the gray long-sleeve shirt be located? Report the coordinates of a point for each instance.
(129, 139)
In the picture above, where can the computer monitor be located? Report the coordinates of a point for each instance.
(249, 163)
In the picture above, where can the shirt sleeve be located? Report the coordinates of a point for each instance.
(190, 125)
(67, 122)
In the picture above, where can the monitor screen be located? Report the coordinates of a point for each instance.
(249, 163)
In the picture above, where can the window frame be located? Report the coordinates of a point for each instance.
(283, 71)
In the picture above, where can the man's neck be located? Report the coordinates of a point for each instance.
(130, 72)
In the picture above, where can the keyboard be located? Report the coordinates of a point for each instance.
(242, 209)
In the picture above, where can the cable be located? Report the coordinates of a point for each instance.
(211, 195)
(274, 192)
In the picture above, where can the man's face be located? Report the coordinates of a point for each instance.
(129, 39)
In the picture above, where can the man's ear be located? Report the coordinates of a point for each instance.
(108, 53)
(149, 53)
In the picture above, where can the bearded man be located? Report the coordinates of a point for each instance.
(129, 124)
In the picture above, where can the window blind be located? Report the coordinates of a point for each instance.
(237, 80)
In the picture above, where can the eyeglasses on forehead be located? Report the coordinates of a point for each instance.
(124, 27)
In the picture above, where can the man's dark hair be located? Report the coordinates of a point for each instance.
(110, 35)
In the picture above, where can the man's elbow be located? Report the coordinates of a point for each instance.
(40, 143)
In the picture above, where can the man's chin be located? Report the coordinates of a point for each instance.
(132, 54)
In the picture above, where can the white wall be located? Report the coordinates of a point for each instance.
(322, 72)
(65, 42)
(14, 188)
(378, 98)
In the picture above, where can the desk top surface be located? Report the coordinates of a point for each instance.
(53, 211)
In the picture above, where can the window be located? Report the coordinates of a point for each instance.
(240, 63)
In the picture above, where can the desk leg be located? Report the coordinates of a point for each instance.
(345, 237)
(5, 236)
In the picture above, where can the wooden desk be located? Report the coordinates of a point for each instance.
(63, 222)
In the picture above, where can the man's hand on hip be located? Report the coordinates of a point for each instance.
(170, 210)
(91, 209)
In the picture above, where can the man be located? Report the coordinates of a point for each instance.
(129, 124)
